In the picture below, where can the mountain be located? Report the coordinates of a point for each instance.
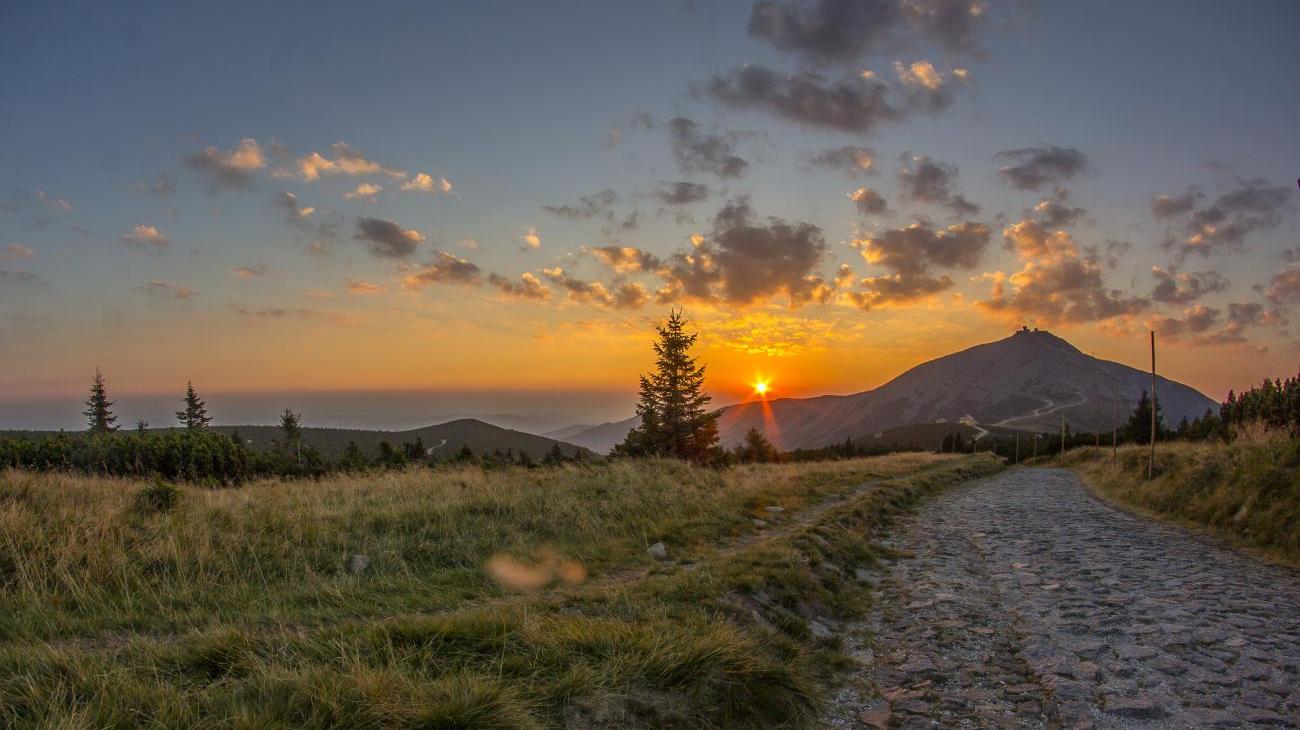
(602, 439)
(563, 434)
(1026, 381)
(444, 438)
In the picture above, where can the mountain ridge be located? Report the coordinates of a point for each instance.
(1028, 381)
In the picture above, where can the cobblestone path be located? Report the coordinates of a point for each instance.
(1021, 601)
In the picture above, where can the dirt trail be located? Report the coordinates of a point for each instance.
(1027, 603)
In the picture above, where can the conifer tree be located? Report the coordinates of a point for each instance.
(1139, 424)
(675, 420)
(554, 456)
(195, 413)
(291, 427)
(99, 409)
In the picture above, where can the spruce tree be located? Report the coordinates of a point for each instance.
(291, 427)
(99, 409)
(1139, 424)
(195, 414)
(675, 420)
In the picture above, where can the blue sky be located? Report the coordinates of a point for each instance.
(520, 106)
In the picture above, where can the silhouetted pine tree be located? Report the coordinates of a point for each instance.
(672, 407)
(195, 413)
(554, 456)
(1138, 429)
(756, 448)
(99, 409)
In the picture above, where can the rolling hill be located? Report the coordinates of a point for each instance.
(1027, 381)
(444, 438)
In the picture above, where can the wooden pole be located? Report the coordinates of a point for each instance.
(1151, 463)
(1062, 433)
(1114, 429)
(1017, 460)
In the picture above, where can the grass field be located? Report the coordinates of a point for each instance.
(1247, 492)
(124, 604)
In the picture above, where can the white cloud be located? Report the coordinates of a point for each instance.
(424, 183)
(143, 235)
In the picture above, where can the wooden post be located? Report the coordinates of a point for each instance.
(1035, 446)
(1151, 463)
(1062, 433)
(1114, 430)
(1017, 460)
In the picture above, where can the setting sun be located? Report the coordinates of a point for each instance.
(761, 387)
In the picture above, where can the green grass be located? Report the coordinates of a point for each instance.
(233, 609)
(1247, 492)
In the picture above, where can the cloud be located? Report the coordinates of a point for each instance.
(1172, 206)
(347, 160)
(698, 151)
(1175, 287)
(1033, 168)
(22, 277)
(852, 159)
(365, 191)
(164, 288)
(681, 193)
(855, 103)
(1284, 287)
(624, 296)
(445, 268)
(528, 286)
(163, 187)
(357, 286)
(249, 272)
(146, 236)
(926, 88)
(923, 180)
(624, 259)
(1055, 213)
(1253, 205)
(758, 259)
(868, 201)
(228, 170)
(276, 313)
(587, 207)
(17, 251)
(841, 31)
(295, 212)
(386, 238)
(918, 247)
(1060, 282)
(424, 183)
(531, 239)
(897, 289)
(318, 248)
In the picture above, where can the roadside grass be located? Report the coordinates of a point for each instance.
(713, 637)
(1246, 491)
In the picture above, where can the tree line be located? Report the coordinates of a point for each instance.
(200, 454)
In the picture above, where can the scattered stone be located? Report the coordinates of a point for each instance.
(775, 509)
(760, 524)
(357, 564)
(1138, 709)
(876, 717)
(659, 551)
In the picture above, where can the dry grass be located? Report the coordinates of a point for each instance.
(233, 608)
(1247, 492)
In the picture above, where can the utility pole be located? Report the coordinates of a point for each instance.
(1062, 433)
(1114, 429)
(1151, 463)
(1017, 460)
(1035, 446)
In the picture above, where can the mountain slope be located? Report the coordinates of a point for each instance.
(1026, 381)
(443, 438)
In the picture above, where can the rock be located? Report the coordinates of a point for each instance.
(775, 509)
(760, 524)
(1137, 709)
(876, 717)
(659, 551)
(357, 564)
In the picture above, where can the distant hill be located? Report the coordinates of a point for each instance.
(603, 438)
(443, 438)
(1027, 381)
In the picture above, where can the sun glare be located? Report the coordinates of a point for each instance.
(760, 388)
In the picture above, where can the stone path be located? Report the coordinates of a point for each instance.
(1021, 601)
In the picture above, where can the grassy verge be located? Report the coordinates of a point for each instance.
(1247, 492)
(233, 608)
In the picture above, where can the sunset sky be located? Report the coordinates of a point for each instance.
(386, 214)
